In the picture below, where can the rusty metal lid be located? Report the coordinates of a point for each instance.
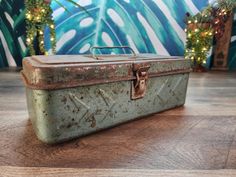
(66, 71)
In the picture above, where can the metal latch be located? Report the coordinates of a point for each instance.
(139, 86)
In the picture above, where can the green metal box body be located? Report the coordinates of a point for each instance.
(71, 96)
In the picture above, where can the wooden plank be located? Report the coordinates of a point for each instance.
(6, 171)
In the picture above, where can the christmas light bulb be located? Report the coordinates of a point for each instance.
(189, 21)
(195, 21)
(28, 16)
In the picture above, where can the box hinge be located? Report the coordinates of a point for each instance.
(139, 85)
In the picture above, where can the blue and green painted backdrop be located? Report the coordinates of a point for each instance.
(232, 51)
(148, 26)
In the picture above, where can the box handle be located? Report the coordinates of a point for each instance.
(106, 47)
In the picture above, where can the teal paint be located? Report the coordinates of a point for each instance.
(232, 48)
(12, 33)
(65, 111)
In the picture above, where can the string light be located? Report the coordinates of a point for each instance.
(38, 16)
(209, 24)
(28, 40)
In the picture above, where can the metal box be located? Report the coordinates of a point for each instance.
(71, 96)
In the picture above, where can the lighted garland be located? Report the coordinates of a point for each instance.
(205, 25)
(38, 17)
(199, 41)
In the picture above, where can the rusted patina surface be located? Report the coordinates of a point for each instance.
(41, 74)
(77, 96)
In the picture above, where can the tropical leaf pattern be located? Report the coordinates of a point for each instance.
(148, 26)
(12, 33)
(232, 49)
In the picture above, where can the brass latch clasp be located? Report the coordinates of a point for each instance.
(139, 86)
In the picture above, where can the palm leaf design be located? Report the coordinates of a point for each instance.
(143, 25)
(232, 48)
(148, 26)
(12, 31)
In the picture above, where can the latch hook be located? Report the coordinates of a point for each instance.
(139, 86)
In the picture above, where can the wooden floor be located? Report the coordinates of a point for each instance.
(199, 136)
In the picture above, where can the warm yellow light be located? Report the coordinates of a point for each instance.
(189, 35)
(52, 26)
(199, 58)
(52, 39)
(185, 30)
(197, 41)
(195, 21)
(28, 16)
(41, 32)
(204, 62)
(196, 30)
(189, 21)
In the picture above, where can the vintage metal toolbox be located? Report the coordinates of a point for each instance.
(71, 96)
